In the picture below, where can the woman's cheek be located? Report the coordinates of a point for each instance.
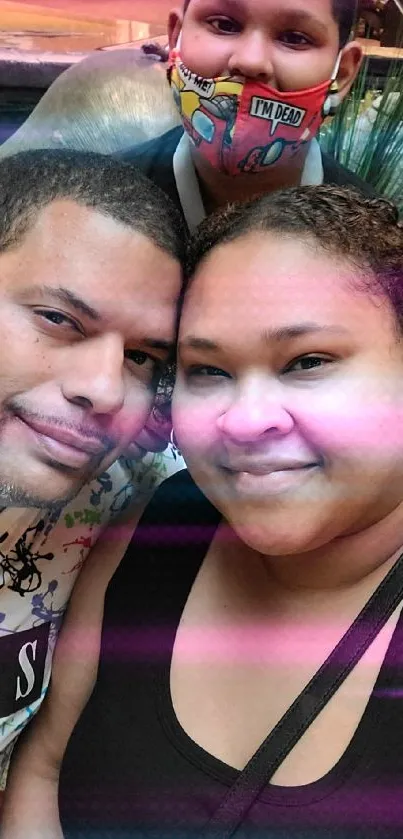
(194, 422)
(359, 429)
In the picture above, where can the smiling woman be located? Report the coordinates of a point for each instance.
(252, 367)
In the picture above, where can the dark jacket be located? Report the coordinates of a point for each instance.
(155, 159)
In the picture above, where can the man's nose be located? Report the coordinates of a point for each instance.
(251, 57)
(255, 410)
(95, 380)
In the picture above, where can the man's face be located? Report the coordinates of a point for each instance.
(288, 404)
(290, 45)
(87, 318)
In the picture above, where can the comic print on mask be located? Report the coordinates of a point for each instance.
(244, 126)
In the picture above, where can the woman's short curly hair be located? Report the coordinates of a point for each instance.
(365, 231)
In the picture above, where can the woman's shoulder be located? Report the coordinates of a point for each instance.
(175, 504)
(172, 534)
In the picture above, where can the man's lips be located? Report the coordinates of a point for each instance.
(68, 436)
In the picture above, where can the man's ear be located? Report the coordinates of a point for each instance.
(350, 62)
(175, 21)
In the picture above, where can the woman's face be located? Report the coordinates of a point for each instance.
(291, 45)
(288, 406)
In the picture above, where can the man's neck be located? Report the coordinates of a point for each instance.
(218, 189)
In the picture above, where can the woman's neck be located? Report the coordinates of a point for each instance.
(218, 189)
(336, 576)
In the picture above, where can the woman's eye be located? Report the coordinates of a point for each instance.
(295, 39)
(224, 24)
(56, 318)
(204, 371)
(308, 362)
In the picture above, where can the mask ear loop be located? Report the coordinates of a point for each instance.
(175, 50)
(333, 98)
(173, 55)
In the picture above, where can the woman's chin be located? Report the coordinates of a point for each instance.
(277, 541)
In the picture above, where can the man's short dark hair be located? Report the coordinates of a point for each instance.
(344, 11)
(31, 180)
(342, 222)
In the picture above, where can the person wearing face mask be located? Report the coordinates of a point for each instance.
(252, 80)
(249, 680)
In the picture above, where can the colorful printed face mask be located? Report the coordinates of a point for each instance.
(247, 126)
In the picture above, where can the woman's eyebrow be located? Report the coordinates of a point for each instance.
(299, 330)
(285, 333)
(194, 343)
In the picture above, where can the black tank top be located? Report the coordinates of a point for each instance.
(131, 772)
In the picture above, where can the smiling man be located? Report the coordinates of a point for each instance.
(89, 279)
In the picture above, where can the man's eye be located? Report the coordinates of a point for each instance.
(295, 39)
(139, 357)
(150, 366)
(224, 24)
(56, 318)
(307, 363)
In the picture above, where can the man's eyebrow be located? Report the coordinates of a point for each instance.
(63, 295)
(299, 330)
(160, 344)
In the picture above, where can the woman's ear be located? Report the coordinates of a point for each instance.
(350, 62)
(175, 21)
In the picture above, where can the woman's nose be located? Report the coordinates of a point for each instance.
(252, 413)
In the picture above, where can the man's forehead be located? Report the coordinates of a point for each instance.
(66, 230)
(69, 244)
(65, 214)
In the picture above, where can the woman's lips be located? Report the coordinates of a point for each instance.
(262, 481)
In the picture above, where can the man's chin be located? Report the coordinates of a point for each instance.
(13, 494)
(19, 497)
(134, 452)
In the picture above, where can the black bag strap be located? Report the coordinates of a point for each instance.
(306, 707)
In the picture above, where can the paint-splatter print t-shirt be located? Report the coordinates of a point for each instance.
(41, 553)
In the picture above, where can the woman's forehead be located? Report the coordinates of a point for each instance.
(271, 264)
(268, 278)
